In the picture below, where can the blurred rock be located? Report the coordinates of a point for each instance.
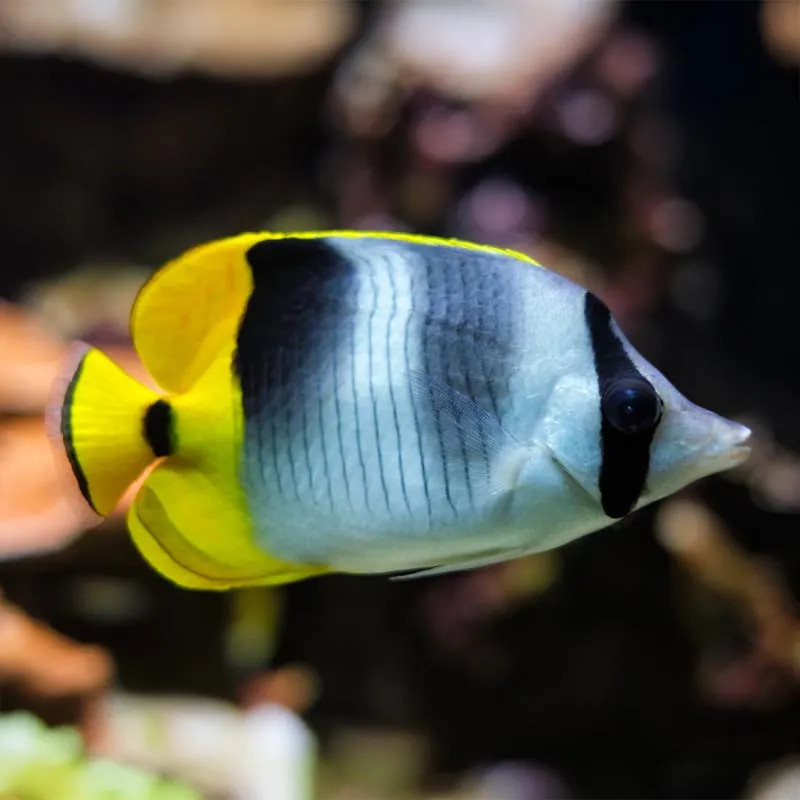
(517, 781)
(36, 515)
(375, 762)
(780, 25)
(243, 38)
(39, 507)
(503, 52)
(265, 752)
(30, 360)
(41, 510)
(41, 662)
(778, 781)
(293, 686)
(90, 302)
(626, 62)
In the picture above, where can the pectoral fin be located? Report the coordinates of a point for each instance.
(464, 430)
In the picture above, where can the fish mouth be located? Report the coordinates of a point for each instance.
(734, 438)
(739, 454)
(727, 446)
(727, 459)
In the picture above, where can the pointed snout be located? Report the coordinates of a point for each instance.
(693, 442)
(732, 441)
(723, 443)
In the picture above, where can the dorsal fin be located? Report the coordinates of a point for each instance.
(188, 310)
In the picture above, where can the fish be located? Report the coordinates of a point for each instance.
(371, 403)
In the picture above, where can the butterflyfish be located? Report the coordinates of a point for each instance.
(373, 403)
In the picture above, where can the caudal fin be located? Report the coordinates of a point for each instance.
(100, 414)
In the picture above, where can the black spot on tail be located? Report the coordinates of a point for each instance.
(158, 428)
(66, 435)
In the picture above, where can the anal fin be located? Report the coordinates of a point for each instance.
(194, 529)
(474, 562)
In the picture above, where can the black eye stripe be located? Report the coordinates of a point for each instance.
(625, 456)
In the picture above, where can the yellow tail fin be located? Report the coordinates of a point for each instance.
(110, 426)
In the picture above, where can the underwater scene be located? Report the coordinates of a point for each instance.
(399, 400)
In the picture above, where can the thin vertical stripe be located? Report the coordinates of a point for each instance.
(337, 404)
(355, 411)
(304, 415)
(288, 422)
(414, 410)
(465, 370)
(323, 445)
(273, 431)
(370, 354)
(392, 315)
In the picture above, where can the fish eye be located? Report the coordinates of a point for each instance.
(631, 405)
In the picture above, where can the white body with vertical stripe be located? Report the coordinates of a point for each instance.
(364, 482)
(414, 404)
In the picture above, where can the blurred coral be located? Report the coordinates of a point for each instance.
(293, 686)
(772, 472)
(457, 609)
(89, 302)
(700, 541)
(41, 763)
(31, 358)
(41, 662)
(36, 511)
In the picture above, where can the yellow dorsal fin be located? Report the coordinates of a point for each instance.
(190, 307)
(188, 310)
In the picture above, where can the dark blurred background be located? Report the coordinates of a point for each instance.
(646, 149)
